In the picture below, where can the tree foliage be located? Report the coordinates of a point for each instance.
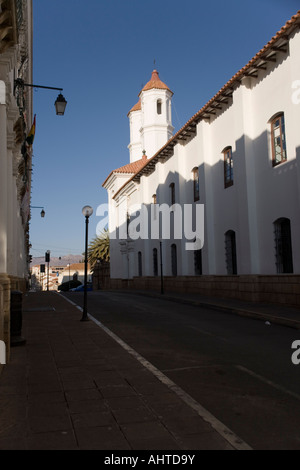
(98, 249)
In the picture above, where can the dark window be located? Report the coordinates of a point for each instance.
(228, 167)
(158, 106)
(154, 201)
(283, 246)
(278, 140)
(196, 184)
(198, 262)
(230, 252)
(172, 193)
(140, 263)
(174, 259)
(155, 262)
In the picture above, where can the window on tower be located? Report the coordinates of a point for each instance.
(158, 106)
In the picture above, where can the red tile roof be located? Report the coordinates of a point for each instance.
(155, 82)
(136, 107)
(130, 168)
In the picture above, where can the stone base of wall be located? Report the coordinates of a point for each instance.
(8, 284)
(277, 289)
(18, 283)
(101, 276)
(5, 312)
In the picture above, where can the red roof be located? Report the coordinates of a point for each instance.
(130, 168)
(136, 107)
(155, 82)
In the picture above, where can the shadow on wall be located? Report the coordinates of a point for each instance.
(260, 195)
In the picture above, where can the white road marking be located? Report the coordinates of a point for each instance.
(236, 442)
(268, 382)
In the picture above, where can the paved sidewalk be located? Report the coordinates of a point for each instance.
(72, 386)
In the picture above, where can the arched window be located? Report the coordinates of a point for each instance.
(283, 246)
(140, 263)
(195, 172)
(155, 262)
(174, 259)
(228, 167)
(158, 106)
(154, 202)
(230, 252)
(278, 139)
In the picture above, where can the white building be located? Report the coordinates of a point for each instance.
(15, 152)
(239, 157)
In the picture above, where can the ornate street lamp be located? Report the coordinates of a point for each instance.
(87, 211)
(42, 211)
(60, 103)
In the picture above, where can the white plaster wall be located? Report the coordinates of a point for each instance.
(277, 188)
(135, 146)
(260, 193)
(156, 128)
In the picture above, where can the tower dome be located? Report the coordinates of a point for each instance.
(155, 82)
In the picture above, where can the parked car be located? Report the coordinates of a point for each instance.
(81, 288)
(69, 285)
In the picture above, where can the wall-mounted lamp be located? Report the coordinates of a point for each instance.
(60, 103)
(42, 211)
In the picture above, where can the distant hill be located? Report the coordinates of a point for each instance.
(55, 261)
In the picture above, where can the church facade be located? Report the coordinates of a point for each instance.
(236, 164)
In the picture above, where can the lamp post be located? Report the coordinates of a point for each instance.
(87, 211)
(98, 272)
(47, 260)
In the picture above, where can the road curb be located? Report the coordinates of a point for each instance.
(225, 308)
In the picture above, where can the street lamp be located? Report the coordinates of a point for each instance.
(60, 103)
(42, 211)
(98, 272)
(47, 260)
(87, 211)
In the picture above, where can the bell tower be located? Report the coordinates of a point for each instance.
(151, 119)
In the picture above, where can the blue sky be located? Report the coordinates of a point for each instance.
(102, 53)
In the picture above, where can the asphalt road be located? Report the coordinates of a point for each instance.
(239, 369)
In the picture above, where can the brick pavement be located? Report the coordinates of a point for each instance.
(72, 386)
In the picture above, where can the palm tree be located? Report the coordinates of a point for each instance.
(99, 249)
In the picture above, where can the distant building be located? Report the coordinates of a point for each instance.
(74, 271)
(239, 157)
(57, 275)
